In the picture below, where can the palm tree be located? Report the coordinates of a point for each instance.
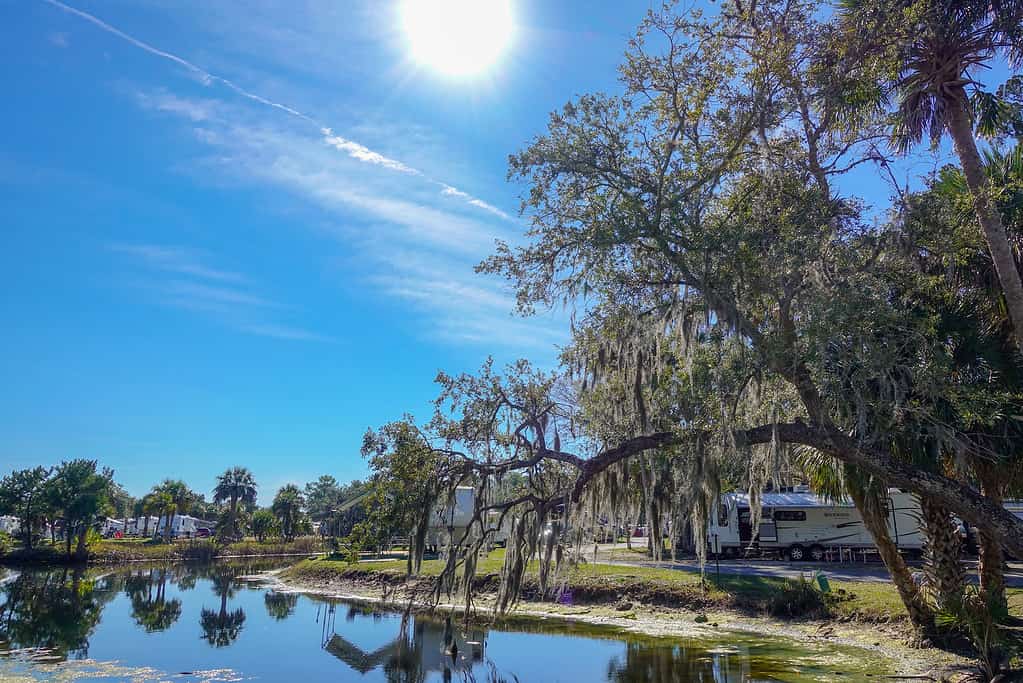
(833, 480)
(221, 628)
(287, 507)
(180, 495)
(939, 46)
(236, 485)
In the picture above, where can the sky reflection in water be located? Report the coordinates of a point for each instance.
(203, 623)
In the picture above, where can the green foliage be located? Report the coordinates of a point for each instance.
(287, 508)
(264, 525)
(235, 486)
(984, 619)
(79, 494)
(23, 494)
(402, 491)
(6, 543)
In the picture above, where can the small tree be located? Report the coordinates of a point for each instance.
(234, 486)
(80, 493)
(264, 524)
(22, 493)
(287, 508)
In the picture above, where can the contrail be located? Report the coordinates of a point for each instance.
(353, 149)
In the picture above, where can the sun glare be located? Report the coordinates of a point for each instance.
(457, 37)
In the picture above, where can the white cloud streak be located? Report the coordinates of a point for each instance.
(181, 280)
(349, 147)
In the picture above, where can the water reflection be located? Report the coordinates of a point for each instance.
(149, 604)
(221, 628)
(154, 616)
(422, 645)
(55, 612)
(279, 605)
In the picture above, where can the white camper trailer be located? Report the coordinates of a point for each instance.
(803, 525)
(454, 515)
(182, 525)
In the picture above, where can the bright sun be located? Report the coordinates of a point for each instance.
(457, 37)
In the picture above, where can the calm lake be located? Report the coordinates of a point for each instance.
(204, 623)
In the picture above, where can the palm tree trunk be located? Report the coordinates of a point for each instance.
(960, 126)
(875, 520)
(943, 567)
(991, 565)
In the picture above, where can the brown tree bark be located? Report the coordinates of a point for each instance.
(960, 126)
(943, 566)
(991, 558)
(875, 519)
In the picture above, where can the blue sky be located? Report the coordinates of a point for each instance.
(196, 278)
(242, 233)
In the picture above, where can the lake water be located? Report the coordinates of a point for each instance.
(203, 623)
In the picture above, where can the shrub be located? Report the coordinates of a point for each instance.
(6, 543)
(798, 598)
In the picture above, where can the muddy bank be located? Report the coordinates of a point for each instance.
(623, 609)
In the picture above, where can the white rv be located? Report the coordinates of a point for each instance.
(183, 525)
(802, 525)
(455, 514)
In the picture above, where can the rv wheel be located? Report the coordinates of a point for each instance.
(816, 553)
(796, 553)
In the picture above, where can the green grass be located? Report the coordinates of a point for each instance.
(867, 601)
(116, 551)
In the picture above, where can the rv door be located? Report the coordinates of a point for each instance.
(768, 530)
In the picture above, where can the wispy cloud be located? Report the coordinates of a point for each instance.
(179, 278)
(414, 246)
(455, 192)
(58, 39)
(177, 260)
(352, 148)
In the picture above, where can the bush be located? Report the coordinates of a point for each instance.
(6, 543)
(798, 598)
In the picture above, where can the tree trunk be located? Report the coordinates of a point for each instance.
(960, 126)
(875, 519)
(145, 525)
(943, 566)
(991, 557)
(27, 530)
(81, 551)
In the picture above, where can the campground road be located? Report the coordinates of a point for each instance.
(838, 571)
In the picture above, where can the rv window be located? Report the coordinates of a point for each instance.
(722, 515)
(789, 516)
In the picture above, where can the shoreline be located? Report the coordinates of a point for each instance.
(906, 662)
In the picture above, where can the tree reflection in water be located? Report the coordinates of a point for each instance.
(279, 605)
(659, 663)
(151, 609)
(221, 628)
(422, 645)
(53, 611)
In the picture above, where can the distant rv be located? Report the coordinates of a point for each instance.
(802, 525)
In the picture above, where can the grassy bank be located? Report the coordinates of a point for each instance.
(122, 551)
(623, 588)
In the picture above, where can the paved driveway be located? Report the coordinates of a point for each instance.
(871, 571)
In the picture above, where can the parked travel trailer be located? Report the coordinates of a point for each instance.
(803, 525)
(138, 525)
(183, 525)
(453, 515)
(110, 526)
